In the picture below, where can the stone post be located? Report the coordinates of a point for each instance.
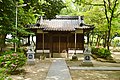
(30, 56)
(87, 57)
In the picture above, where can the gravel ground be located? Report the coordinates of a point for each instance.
(94, 75)
(41, 67)
(34, 72)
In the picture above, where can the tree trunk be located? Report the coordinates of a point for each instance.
(105, 39)
(108, 8)
(108, 38)
(2, 42)
(97, 43)
(91, 42)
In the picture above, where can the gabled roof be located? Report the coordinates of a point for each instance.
(60, 23)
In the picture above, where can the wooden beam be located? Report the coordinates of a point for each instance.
(39, 31)
(79, 31)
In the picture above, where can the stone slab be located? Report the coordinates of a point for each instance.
(96, 68)
(58, 70)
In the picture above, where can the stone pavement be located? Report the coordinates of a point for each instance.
(97, 68)
(58, 70)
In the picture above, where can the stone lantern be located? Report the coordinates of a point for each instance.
(30, 56)
(87, 57)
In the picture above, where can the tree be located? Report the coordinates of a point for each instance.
(52, 8)
(47, 8)
(6, 19)
(26, 15)
(110, 8)
(93, 14)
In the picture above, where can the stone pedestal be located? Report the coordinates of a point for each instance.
(87, 57)
(74, 57)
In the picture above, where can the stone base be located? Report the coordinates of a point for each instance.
(29, 62)
(63, 55)
(87, 63)
(74, 57)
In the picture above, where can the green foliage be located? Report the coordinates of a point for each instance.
(3, 75)
(101, 52)
(97, 18)
(116, 42)
(94, 50)
(52, 7)
(69, 9)
(115, 24)
(25, 15)
(7, 16)
(48, 8)
(14, 40)
(94, 12)
(104, 53)
(12, 61)
(20, 50)
(8, 19)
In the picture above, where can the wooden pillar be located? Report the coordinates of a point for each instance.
(74, 57)
(87, 38)
(83, 40)
(67, 42)
(29, 40)
(36, 40)
(75, 41)
(51, 44)
(59, 43)
(43, 43)
(33, 39)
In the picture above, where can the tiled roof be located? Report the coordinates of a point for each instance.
(60, 24)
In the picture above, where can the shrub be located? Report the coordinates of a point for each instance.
(12, 61)
(104, 53)
(21, 50)
(3, 75)
(100, 52)
(94, 50)
(116, 42)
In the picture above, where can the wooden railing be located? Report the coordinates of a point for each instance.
(75, 51)
(40, 52)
